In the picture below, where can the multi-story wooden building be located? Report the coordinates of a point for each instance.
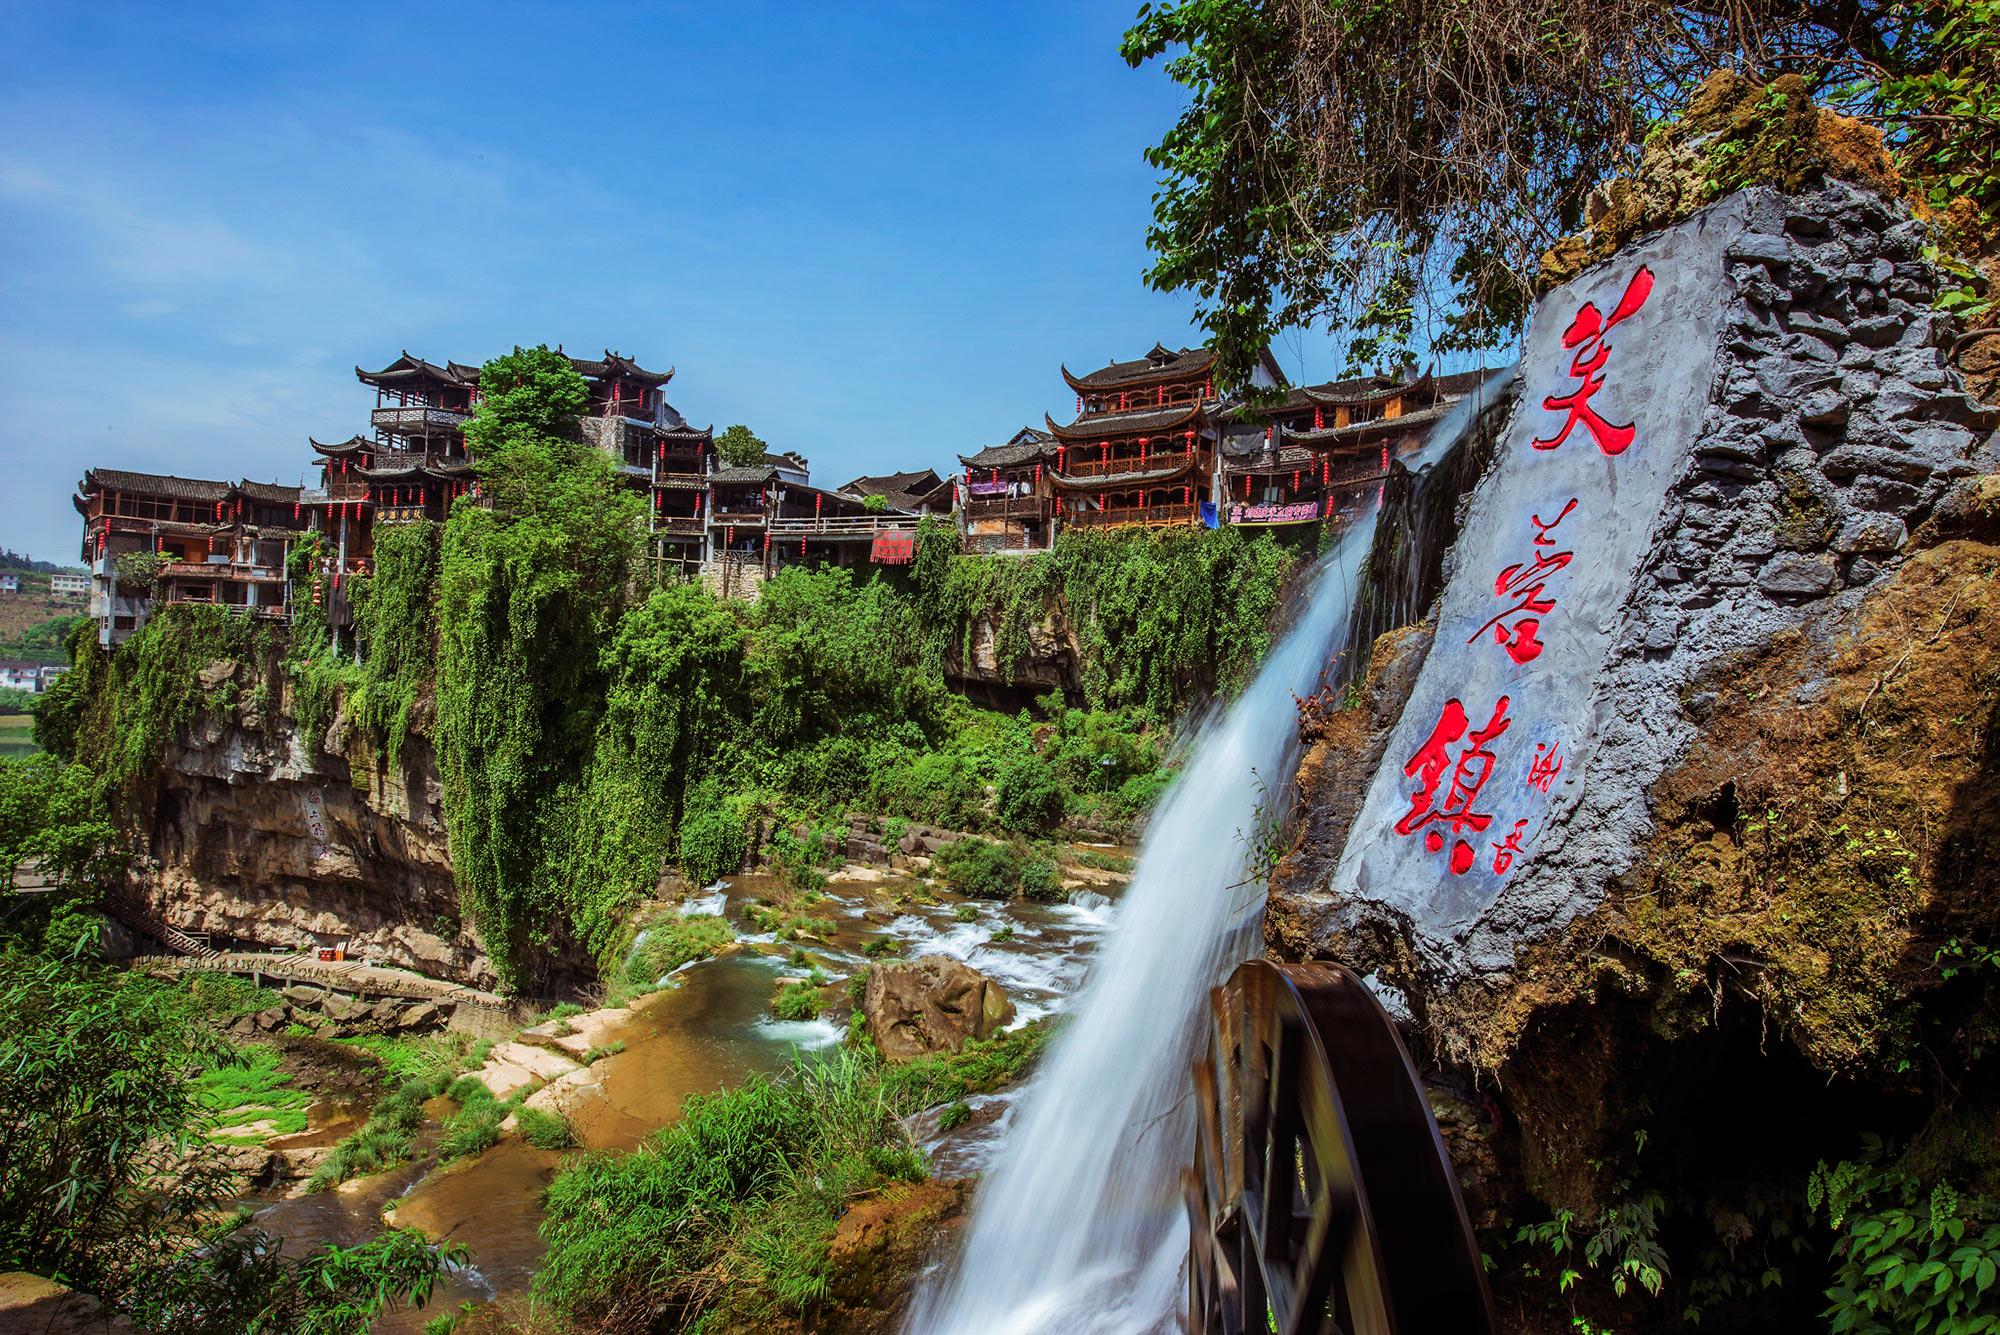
(1324, 452)
(1008, 498)
(418, 461)
(224, 543)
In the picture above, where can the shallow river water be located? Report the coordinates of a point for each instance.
(710, 1029)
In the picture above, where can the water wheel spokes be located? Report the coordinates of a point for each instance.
(1320, 1201)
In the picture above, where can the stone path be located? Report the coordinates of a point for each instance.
(347, 977)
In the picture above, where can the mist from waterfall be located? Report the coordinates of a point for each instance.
(1078, 1228)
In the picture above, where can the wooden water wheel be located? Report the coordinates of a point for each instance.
(1320, 1199)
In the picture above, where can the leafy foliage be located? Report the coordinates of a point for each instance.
(1910, 1256)
(1371, 165)
(739, 448)
(532, 584)
(54, 814)
(107, 1186)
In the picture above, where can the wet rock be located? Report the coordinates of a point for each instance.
(274, 1018)
(882, 1241)
(931, 1004)
(29, 1303)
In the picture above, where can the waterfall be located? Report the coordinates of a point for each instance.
(1078, 1228)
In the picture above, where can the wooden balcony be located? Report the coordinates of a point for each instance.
(681, 528)
(1009, 507)
(335, 493)
(685, 481)
(213, 570)
(417, 419)
(851, 526)
(1154, 516)
(1112, 467)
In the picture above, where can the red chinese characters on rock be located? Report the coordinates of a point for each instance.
(1525, 583)
(1505, 852)
(1586, 335)
(1542, 770)
(1469, 772)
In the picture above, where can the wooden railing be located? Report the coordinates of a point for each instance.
(416, 418)
(667, 477)
(335, 493)
(1009, 507)
(850, 526)
(680, 527)
(1137, 514)
(1110, 467)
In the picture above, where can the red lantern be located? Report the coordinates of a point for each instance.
(1295, 479)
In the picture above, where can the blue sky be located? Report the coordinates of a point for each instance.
(871, 231)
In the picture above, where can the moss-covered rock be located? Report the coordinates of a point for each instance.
(1735, 133)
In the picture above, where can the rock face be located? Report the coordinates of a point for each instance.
(254, 839)
(1726, 433)
(1047, 660)
(931, 1004)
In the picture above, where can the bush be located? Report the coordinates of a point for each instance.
(1030, 798)
(796, 1000)
(712, 842)
(984, 870)
(665, 944)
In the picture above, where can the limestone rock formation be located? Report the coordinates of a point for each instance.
(1691, 809)
(931, 1004)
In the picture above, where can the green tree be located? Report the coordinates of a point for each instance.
(740, 449)
(1366, 165)
(533, 581)
(53, 815)
(107, 1184)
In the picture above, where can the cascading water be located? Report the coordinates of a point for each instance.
(1078, 1226)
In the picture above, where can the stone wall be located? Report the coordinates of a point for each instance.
(1796, 419)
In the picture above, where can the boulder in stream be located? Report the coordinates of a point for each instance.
(932, 1004)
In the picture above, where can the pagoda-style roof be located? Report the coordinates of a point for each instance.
(743, 476)
(1160, 364)
(1358, 431)
(452, 470)
(152, 484)
(1138, 477)
(407, 370)
(621, 367)
(355, 444)
(1370, 391)
(686, 433)
(1105, 426)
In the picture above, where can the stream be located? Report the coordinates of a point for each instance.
(709, 1029)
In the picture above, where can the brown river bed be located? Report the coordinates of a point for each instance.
(709, 1029)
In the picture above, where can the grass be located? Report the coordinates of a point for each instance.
(733, 1205)
(418, 1056)
(663, 944)
(796, 999)
(251, 1092)
(881, 946)
(1099, 860)
(544, 1130)
(385, 1140)
(594, 1053)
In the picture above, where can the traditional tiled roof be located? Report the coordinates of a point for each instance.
(273, 492)
(1159, 364)
(730, 476)
(904, 491)
(406, 369)
(1104, 426)
(152, 484)
(616, 365)
(1371, 390)
(356, 444)
(1123, 481)
(1458, 385)
(791, 461)
(1357, 431)
(1028, 445)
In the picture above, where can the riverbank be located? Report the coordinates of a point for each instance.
(617, 1075)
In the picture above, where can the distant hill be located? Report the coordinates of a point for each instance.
(13, 560)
